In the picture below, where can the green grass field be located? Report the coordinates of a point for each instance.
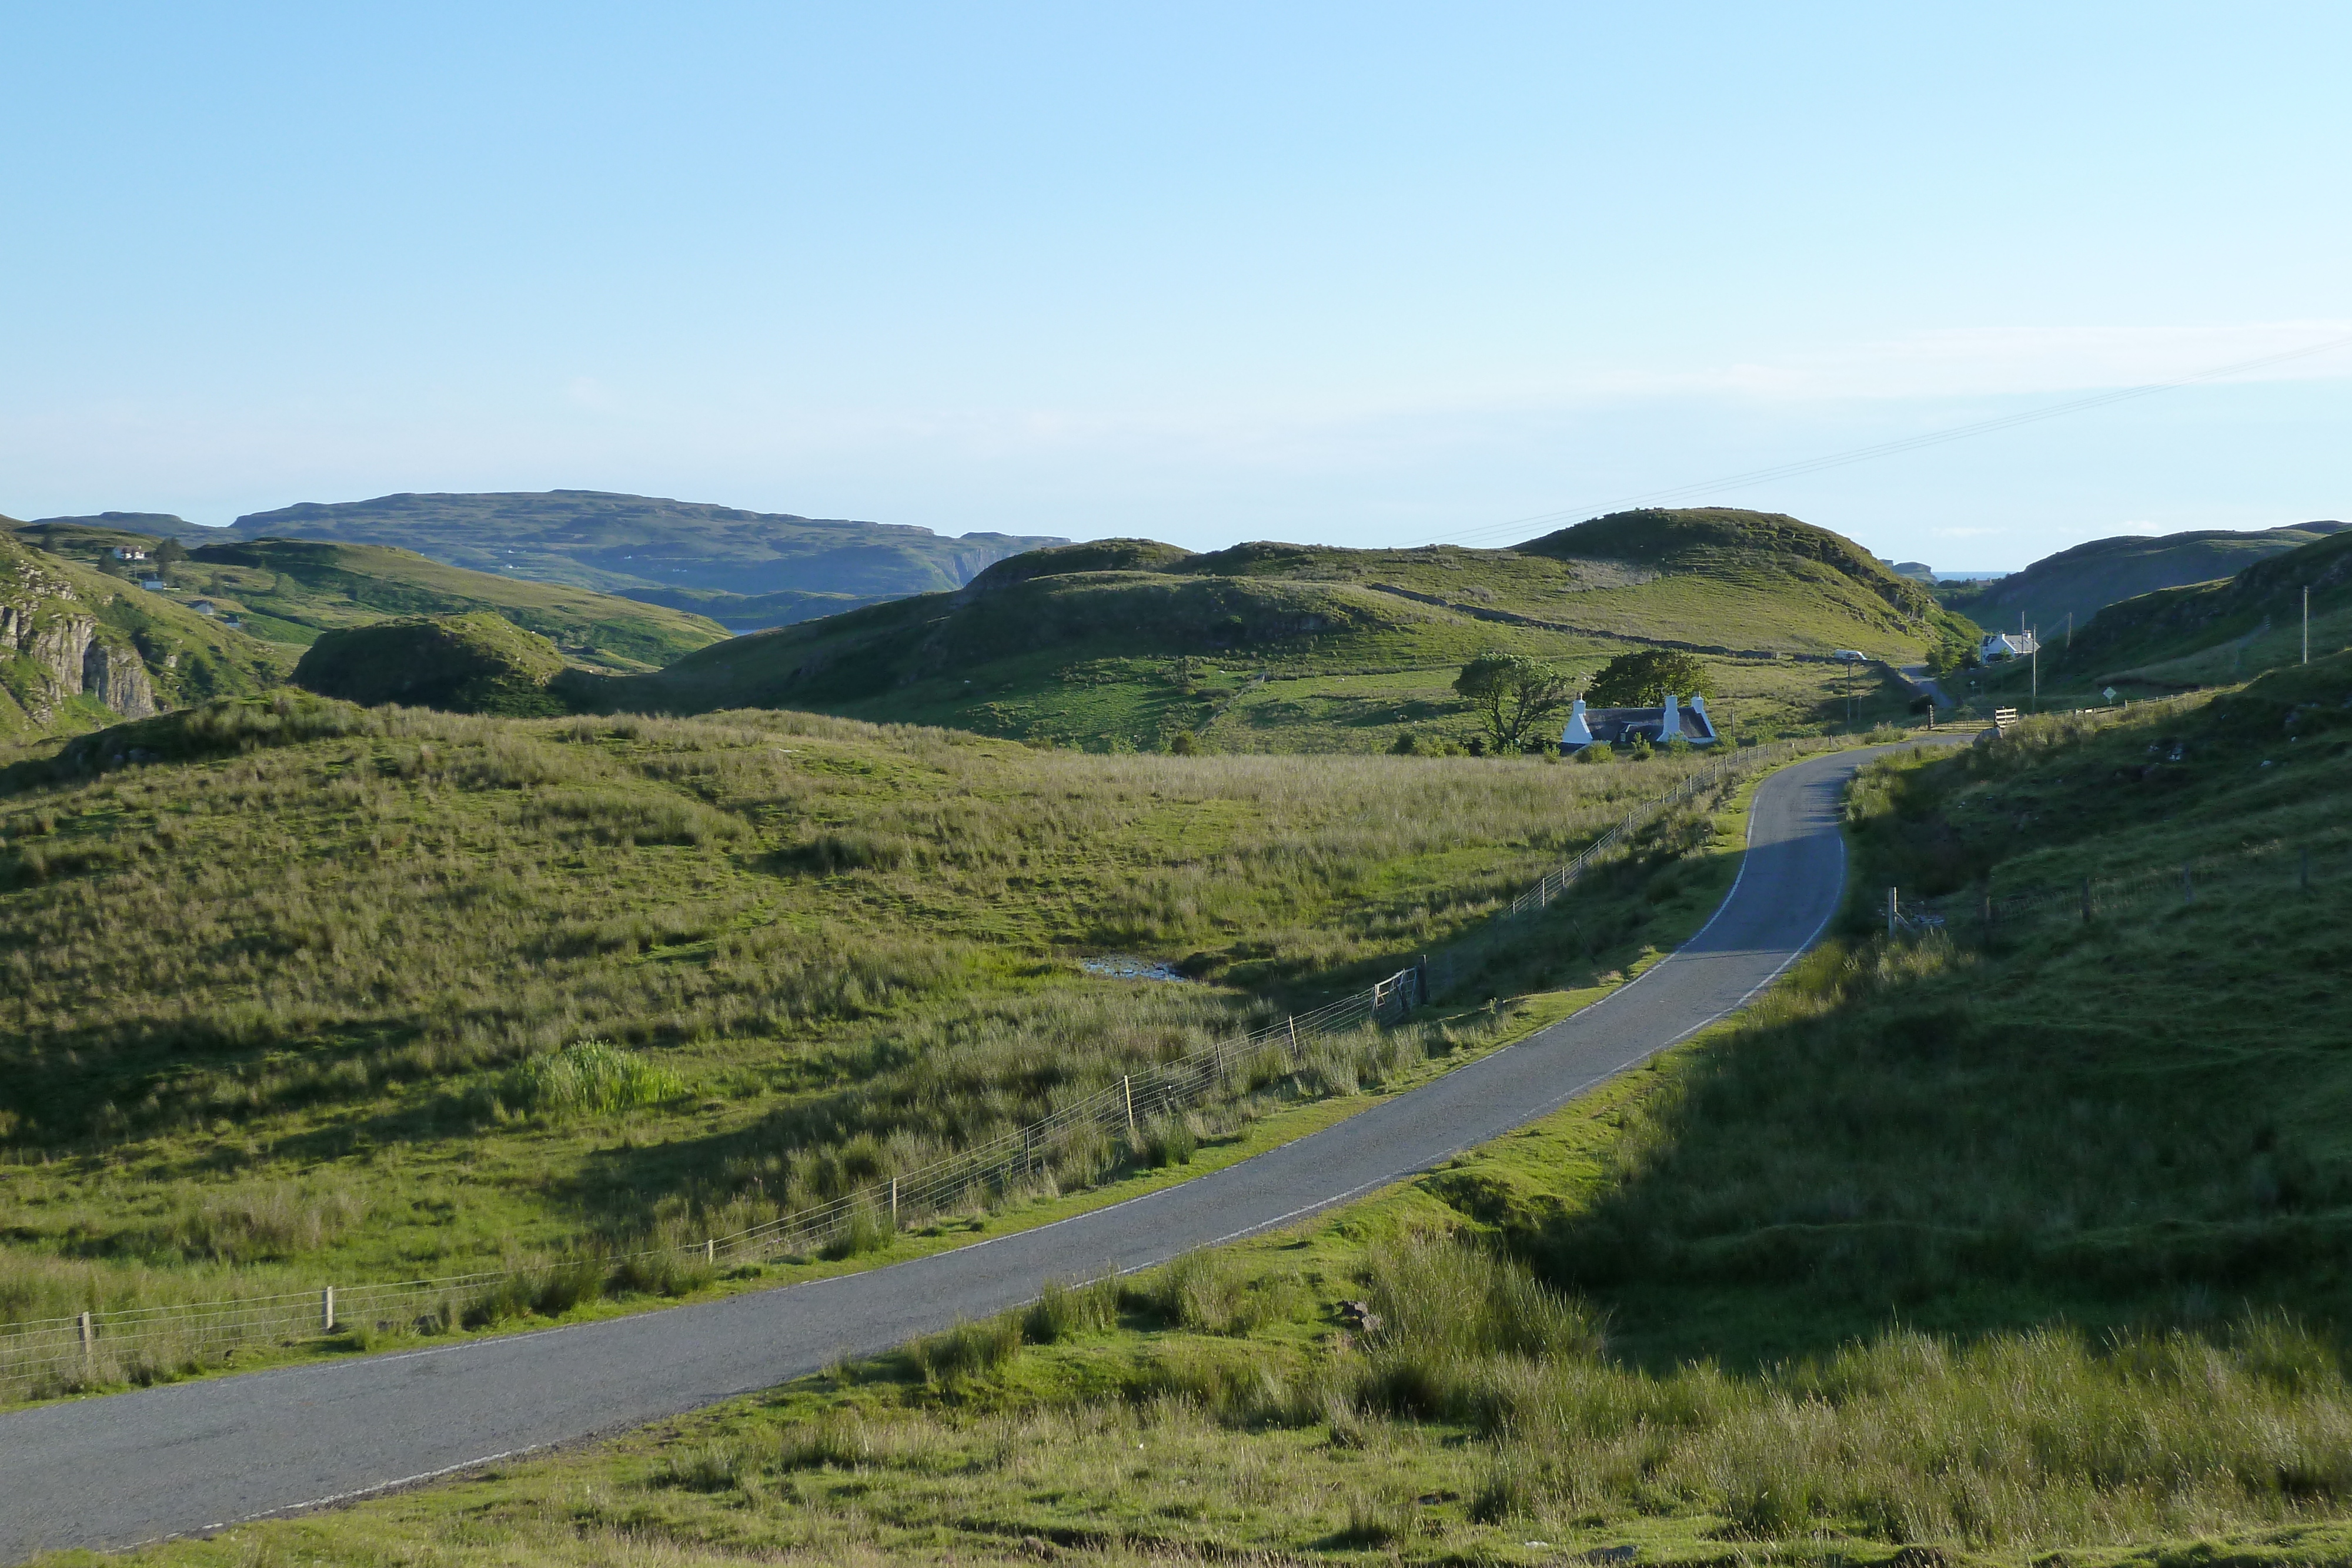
(2022, 1245)
(292, 999)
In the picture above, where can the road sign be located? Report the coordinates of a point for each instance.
(2110, 694)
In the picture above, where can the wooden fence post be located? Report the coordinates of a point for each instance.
(327, 1310)
(88, 1341)
(1290, 1022)
(710, 1251)
(1127, 1087)
(893, 1203)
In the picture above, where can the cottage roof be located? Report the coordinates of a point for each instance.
(1623, 725)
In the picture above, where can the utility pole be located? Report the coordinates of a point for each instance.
(2035, 704)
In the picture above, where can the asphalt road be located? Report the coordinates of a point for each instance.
(135, 1467)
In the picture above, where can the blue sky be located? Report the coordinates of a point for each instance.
(1361, 274)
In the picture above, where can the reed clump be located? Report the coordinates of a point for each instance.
(590, 1078)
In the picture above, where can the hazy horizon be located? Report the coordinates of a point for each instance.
(1362, 275)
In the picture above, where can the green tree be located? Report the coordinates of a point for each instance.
(1511, 694)
(1951, 658)
(1646, 679)
(171, 552)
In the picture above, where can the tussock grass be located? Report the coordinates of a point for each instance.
(1065, 1311)
(590, 1077)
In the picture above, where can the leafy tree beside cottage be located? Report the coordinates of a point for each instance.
(1511, 694)
(1646, 678)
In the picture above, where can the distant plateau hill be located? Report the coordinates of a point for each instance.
(742, 568)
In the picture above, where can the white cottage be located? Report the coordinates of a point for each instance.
(1668, 722)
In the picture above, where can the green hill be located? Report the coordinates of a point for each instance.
(287, 591)
(2007, 1243)
(2202, 634)
(2086, 578)
(2218, 632)
(293, 589)
(1276, 646)
(79, 647)
(478, 663)
(632, 545)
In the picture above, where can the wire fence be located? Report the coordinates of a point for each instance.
(146, 1343)
(141, 1344)
(1730, 765)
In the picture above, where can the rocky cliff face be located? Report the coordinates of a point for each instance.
(60, 650)
(116, 677)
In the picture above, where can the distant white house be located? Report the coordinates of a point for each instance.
(128, 552)
(2000, 646)
(1623, 725)
(153, 584)
(203, 607)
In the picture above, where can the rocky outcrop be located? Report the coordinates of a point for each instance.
(117, 677)
(66, 650)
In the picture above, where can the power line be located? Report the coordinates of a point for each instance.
(1543, 520)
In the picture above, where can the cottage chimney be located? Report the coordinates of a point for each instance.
(1705, 719)
(1578, 732)
(1671, 726)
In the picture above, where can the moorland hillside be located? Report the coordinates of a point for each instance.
(2081, 581)
(2010, 1242)
(296, 589)
(288, 591)
(80, 648)
(2254, 618)
(738, 567)
(296, 984)
(1318, 647)
(2206, 635)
